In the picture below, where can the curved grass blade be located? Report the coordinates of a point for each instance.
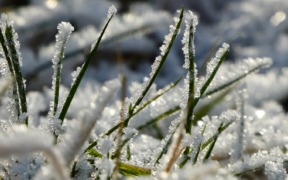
(81, 74)
(9, 34)
(159, 67)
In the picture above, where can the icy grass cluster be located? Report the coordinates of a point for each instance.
(101, 141)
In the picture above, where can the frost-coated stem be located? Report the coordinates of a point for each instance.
(146, 104)
(165, 49)
(224, 52)
(16, 66)
(65, 30)
(84, 68)
(191, 76)
(6, 55)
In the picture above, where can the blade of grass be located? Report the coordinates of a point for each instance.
(223, 128)
(134, 170)
(206, 108)
(234, 81)
(9, 34)
(142, 107)
(190, 30)
(161, 63)
(64, 31)
(81, 75)
(206, 143)
(9, 62)
(127, 168)
(167, 145)
(208, 154)
(198, 149)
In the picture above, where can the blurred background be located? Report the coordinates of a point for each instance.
(253, 28)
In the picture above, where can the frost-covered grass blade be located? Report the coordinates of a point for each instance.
(235, 80)
(160, 117)
(160, 60)
(82, 72)
(16, 63)
(65, 30)
(208, 154)
(189, 52)
(5, 53)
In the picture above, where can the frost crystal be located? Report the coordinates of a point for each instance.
(111, 11)
(275, 170)
(214, 61)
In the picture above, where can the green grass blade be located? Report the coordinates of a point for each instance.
(207, 142)
(168, 88)
(81, 75)
(134, 170)
(9, 34)
(220, 130)
(159, 67)
(64, 31)
(207, 107)
(213, 73)
(162, 116)
(94, 153)
(191, 22)
(164, 90)
(167, 145)
(198, 149)
(6, 55)
(129, 169)
(211, 147)
(233, 81)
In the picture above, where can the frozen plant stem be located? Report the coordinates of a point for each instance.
(9, 62)
(159, 67)
(65, 30)
(189, 52)
(82, 72)
(9, 33)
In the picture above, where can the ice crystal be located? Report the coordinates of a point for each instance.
(64, 31)
(275, 170)
(111, 11)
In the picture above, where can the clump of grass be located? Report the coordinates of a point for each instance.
(107, 161)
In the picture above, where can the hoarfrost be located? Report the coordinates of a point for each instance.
(64, 31)
(191, 21)
(275, 170)
(111, 11)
